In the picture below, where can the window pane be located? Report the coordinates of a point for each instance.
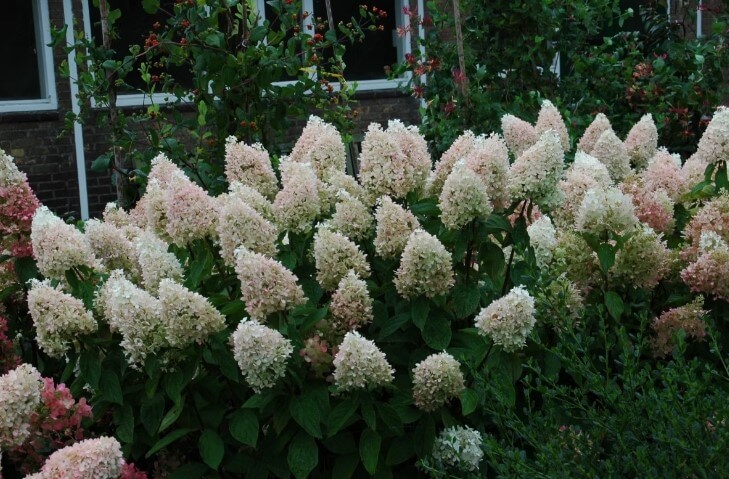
(366, 60)
(19, 53)
(133, 28)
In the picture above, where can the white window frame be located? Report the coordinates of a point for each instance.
(46, 71)
(402, 44)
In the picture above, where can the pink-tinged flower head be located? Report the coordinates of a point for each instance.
(425, 267)
(190, 211)
(18, 204)
(57, 246)
(352, 218)
(393, 162)
(551, 119)
(436, 380)
(252, 198)
(321, 145)
(187, 316)
(463, 198)
(642, 141)
(342, 181)
(693, 169)
(151, 210)
(489, 159)
(712, 216)
(250, 165)
(688, 318)
(714, 143)
(359, 364)
(652, 207)
(509, 320)
(135, 314)
(116, 216)
(642, 261)
(709, 273)
(535, 174)
(351, 306)
(20, 396)
(163, 170)
(111, 246)
(605, 210)
(335, 255)
(664, 171)
(99, 458)
(518, 134)
(613, 154)
(459, 149)
(266, 286)
(394, 225)
(584, 174)
(261, 353)
(298, 203)
(155, 262)
(58, 318)
(240, 224)
(592, 133)
(543, 238)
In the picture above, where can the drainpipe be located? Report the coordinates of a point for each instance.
(78, 133)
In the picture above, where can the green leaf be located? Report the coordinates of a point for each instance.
(110, 388)
(606, 254)
(390, 418)
(424, 436)
(466, 299)
(722, 182)
(369, 415)
(192, 470)
(341, 414)
(124, 419)
(244, 427)
(344, 466)
(393, 324)
(369, 449)
(303, 455)
(401, 449)
(419, 310)
(437, 332)
(102, 163)
(167, 440)
(469, 401)
(202, 108)
(26, 269)
(496, 223)
(150, 6)
(174, 382)
(306, 413)
(90, 367)
(151, 412)
(614, 304)
(211, 448)
(171, 416)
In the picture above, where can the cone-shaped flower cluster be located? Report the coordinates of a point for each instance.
(537, 171)
(298, 204)
(425, 267)
(359, 364)
(489, 159)
(351, 306)
(688, 318)
(642, 141)
(593, 132)
(20, 395)
(335, 255)
(99, 458)
(518, 134)
(551, 119)
(436, 380)
(459, 149)
(155, 262)
(459, 449)
(714, 143)
(463, 198)
(187, 316)
(394, 226)
(613, 154)
(605, 209)
(250, 165)
(261, 353)
(18, 204)
(351, 217)
(320, 144)
(240, 224)
(543, 238)
(509, 320)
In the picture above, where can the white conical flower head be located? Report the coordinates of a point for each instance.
(489, 159)
(543, 238)
(352, 218)
(351, 305)
(298, 203)
(239, 224)
(642, 141)
(714, 143)
(394, 226)
(592, 133)
(605, 210)
(425, 267)
(518, 134)
(261, 353)
(359, 364)
(20, 397)
(187, 316)
(509, 320)
(334, 256)
(9, 172)
(536, 173)
(463, 198)
(436, 380)
(551, 119)
(321, 145)
(155, 262)
(250, 165)
(459, 149)
(613, 154)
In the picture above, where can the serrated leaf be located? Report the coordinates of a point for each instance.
(469, 401)
(606, 255)
(437, 332)
(110, 388)
(393, 324)
(90, 367)
(614, 304)
(341, 414)
(124, 419)
(211, 448)
(244, 427)
(369, 449)
(307, 414)
(303, 455)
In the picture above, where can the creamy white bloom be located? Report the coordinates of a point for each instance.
(592, 133)
(714, 143)
(642, 141)
(351, 305)
(9, 172)
(187, 316)
(458, 448)
(463, 198)
(321, 145)
(605, 209)
(394, 226)
(335, 255)
(489, 159)
(509, 320)
(250, 165)
(352, 218)
(359, 364)
(298, 204)
(613, 154)
(20, 396)
(240, 224)
(99, 458)
(425, 267)
(436, 380)
(155, 262)
(459, 149)
(535, 174)
(543, 238)
(261, 353)
(551, 119)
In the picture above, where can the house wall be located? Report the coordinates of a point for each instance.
(47, 155)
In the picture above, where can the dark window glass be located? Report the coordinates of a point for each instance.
(19, 52)
(366, 60)
(133, 28)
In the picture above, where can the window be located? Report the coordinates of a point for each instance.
(132, 28)
(365, 62)
(30, 86)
